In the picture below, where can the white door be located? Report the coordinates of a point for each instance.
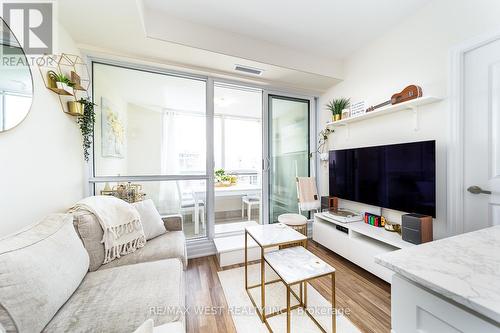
(482, 137)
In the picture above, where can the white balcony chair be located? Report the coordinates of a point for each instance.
(249, 201)
(189, 203)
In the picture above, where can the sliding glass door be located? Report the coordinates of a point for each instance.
(288, 150)
(237, 157)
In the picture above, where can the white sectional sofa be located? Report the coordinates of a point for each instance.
(51, 279)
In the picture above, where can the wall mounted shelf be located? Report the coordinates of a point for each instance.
(61, 92)
(409, 105)
(74, 67)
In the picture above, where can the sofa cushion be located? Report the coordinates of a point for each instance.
(90, 231)
(169, 245)
(120, 299)
(40, 267)
(146, 327)
(150, 218)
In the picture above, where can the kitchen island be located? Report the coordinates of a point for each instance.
(449, 285)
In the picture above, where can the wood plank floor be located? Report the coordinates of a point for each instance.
(366, 297)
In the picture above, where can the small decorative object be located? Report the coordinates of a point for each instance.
(113, 131)
(222, 179)
(392, 227)
(126, 191)
(336, 106)
(346, 113)
(59, 83)
(407, 94)
(357, 109)
(234, 179)
(75, 108)
(86, 122)
(374, 220)
(322, 140)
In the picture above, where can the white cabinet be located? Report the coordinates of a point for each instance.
(415, 309)
(360, 244)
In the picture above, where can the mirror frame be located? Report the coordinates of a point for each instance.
(2, 21)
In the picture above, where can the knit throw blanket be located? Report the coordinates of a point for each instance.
(120, 221)
(308, 194)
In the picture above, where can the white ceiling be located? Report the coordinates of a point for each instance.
(332, 29)
(299, 44)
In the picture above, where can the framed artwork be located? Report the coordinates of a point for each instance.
(112, 130)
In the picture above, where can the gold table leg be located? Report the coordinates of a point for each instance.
(305, 294)
(288, 309)
(262, 284)
(246, 260)
(334, 317)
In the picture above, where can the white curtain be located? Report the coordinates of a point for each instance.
(169, 191)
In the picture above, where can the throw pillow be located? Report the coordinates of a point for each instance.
(146, 327)
(150, 217)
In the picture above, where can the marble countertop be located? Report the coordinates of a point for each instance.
(464, 268)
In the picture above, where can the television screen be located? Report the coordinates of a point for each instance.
(400, 176)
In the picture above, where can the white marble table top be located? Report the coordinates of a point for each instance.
(274, 234)
(296, 264)
(464, 268)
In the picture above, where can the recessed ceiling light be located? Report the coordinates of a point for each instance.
(248, 70)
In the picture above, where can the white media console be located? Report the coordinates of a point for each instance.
(357, 242)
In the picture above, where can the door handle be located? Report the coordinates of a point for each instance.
(477, 190)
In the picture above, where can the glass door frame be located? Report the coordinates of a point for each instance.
(266, 163)
(204, 245)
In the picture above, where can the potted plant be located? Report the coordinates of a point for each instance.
(337, 105)
(226, 180)
(61, 81)
(219, 173)
(86, 122)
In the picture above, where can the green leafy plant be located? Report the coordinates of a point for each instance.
(225, 178)
(219, 173)
(60, 77)
(86, 122)
(336, 105)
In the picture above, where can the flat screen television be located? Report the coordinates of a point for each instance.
(399, 176)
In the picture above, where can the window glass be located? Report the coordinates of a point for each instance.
(243, 144)
(148, 123)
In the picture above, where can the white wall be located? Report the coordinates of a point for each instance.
(41, 160)
(416, 51)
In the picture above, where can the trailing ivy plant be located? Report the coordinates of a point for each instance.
(86, 123)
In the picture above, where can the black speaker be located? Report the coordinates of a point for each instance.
(416, 228)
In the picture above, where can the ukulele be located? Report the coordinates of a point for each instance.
(408, 93)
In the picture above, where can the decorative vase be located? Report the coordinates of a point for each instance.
(336, 117)
(75, 108)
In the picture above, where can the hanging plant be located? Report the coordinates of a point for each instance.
(86, 122)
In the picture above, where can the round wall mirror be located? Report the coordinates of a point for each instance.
(16, 82)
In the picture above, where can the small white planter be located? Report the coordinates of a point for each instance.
(65, 87)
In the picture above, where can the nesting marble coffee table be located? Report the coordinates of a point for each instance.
(293, 265)
(267, 236)
(296, 265)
